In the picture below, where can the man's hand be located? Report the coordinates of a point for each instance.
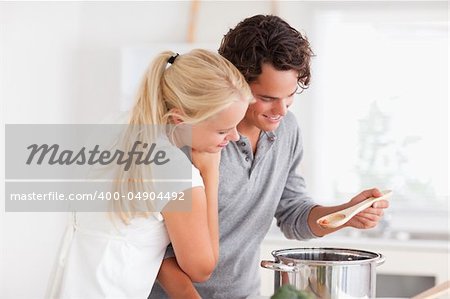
(365, 219)
(369, 217)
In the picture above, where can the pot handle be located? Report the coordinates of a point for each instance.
(278, 266)
(380, 260)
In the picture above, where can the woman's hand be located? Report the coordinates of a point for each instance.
(206, 162)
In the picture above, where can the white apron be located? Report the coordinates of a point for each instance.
(102, 259)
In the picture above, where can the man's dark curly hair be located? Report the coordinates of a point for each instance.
(267, 39)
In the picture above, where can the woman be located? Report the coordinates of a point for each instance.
(199, 93)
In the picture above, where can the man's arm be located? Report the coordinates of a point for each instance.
(297, 215)
(175, 282)
(295, 205)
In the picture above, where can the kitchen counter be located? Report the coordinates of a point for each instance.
(353, 237)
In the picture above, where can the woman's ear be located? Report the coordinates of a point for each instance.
(176, 116)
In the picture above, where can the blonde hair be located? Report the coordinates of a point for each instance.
(197, 85)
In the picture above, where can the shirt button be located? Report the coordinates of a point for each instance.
(243, 143)
(271, 138)
(245, 152)
(246, 159)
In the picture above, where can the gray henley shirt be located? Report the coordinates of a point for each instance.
(253, 190)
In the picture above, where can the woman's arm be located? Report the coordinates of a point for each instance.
(208, 165)
(194, 234)
(175, 282)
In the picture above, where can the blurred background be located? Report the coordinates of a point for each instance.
(376, 113)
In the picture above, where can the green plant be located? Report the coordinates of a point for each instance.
(290, 292)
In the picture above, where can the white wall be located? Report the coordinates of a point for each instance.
(60, 63)
(37, 43)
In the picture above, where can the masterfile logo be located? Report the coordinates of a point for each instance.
(62, 167)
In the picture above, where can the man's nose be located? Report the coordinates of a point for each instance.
(280, 107)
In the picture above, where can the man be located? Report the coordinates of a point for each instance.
(259, 176)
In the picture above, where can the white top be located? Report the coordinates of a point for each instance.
(104, 258)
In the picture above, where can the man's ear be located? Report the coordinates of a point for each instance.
(176, 116)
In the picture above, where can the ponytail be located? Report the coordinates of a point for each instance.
(198, 85)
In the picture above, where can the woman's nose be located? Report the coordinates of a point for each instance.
(233, 135)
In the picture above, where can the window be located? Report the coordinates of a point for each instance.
(381, 103)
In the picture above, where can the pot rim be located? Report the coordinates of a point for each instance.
(278, 255)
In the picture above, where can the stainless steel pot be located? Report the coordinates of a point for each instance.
(328, 273)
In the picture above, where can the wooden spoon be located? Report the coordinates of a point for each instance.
(435, 292)
(339, 218)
